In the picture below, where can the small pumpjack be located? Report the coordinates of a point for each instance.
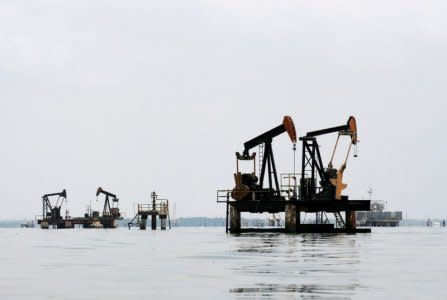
(110, 212)
(51, 212)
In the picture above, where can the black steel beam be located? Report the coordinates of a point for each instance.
(332, 205)
(327, 130)
(263, 138)
(304, 205)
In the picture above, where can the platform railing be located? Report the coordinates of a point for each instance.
(161, 206)
(224, 196)
(290, 184)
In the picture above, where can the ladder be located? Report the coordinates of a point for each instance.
(135, 221)
(339, 220)
(261, 157)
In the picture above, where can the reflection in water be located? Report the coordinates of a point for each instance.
(296, 265)
(305, 290)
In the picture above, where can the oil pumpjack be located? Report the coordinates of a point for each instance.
(248, 195)
(247, 186)
(110, 212)
(320, 188)
(51, 211)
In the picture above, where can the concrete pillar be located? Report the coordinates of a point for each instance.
(351, 220)
(154, 222)
(143, 222)
(291, 214)
(163, 222)
(235, 220)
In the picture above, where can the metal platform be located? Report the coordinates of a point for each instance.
(84, 222)
(158, 207)
(293, 209)
(275, 206)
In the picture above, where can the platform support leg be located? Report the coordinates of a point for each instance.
(163, 223)
(143, 223)
(291, 216)
(351, 220)
(154, 222)
(235, 220)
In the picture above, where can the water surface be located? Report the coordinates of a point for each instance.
(205, 263)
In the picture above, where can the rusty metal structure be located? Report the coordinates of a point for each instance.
(157, 207)
(319, 189)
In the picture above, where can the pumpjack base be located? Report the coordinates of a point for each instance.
(293, 208)
(276, 206)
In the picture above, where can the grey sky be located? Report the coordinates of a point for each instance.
(136, 96)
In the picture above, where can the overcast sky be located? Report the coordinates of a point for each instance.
(136, 96)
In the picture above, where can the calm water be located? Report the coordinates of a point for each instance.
(205, 263)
